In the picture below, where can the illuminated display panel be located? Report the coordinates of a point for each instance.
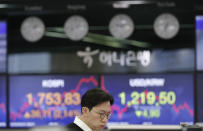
(199, 42)
(3, 46)
(165, 99)
(47, 100)
(2, 101)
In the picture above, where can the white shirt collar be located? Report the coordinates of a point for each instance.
(81, 124)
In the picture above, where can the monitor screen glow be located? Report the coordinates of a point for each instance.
(3, 46)
(199, 41)
(49, 100)
(2, 101)
(165, 99)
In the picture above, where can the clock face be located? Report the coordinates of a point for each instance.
(166, 26)
(76, 28)
(32, 29)
(121, 26)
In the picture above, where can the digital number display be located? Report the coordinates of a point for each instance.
(150, 99)
(47, 100)
(2, 101)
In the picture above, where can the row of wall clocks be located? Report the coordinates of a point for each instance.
(121, 26)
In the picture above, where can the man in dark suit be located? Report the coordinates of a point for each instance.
(95, 111)
(73, 127)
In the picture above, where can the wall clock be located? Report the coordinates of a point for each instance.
(32, 29)
(166, 26)
(76, 27)
(121, 26)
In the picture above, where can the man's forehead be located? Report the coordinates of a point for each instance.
(103, 109)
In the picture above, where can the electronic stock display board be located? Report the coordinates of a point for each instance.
(165, 99)
(49, 100)
(3, 101)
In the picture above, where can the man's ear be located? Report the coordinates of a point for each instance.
(85, 110)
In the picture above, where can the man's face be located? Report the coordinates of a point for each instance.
(97, 118)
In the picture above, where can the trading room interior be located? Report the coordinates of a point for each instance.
(146, 53)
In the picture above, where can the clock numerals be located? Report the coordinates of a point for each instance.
(121, 26)
(166, 26)
(32, 29)
(76, 27)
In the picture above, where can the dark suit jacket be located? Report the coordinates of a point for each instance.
(73, 127)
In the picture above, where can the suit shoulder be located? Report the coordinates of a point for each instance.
(73, 127)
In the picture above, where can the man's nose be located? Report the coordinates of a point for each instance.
(105, 119)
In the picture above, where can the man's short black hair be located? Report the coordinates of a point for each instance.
(95, 97)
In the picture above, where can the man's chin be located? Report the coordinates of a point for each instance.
(99, 129)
